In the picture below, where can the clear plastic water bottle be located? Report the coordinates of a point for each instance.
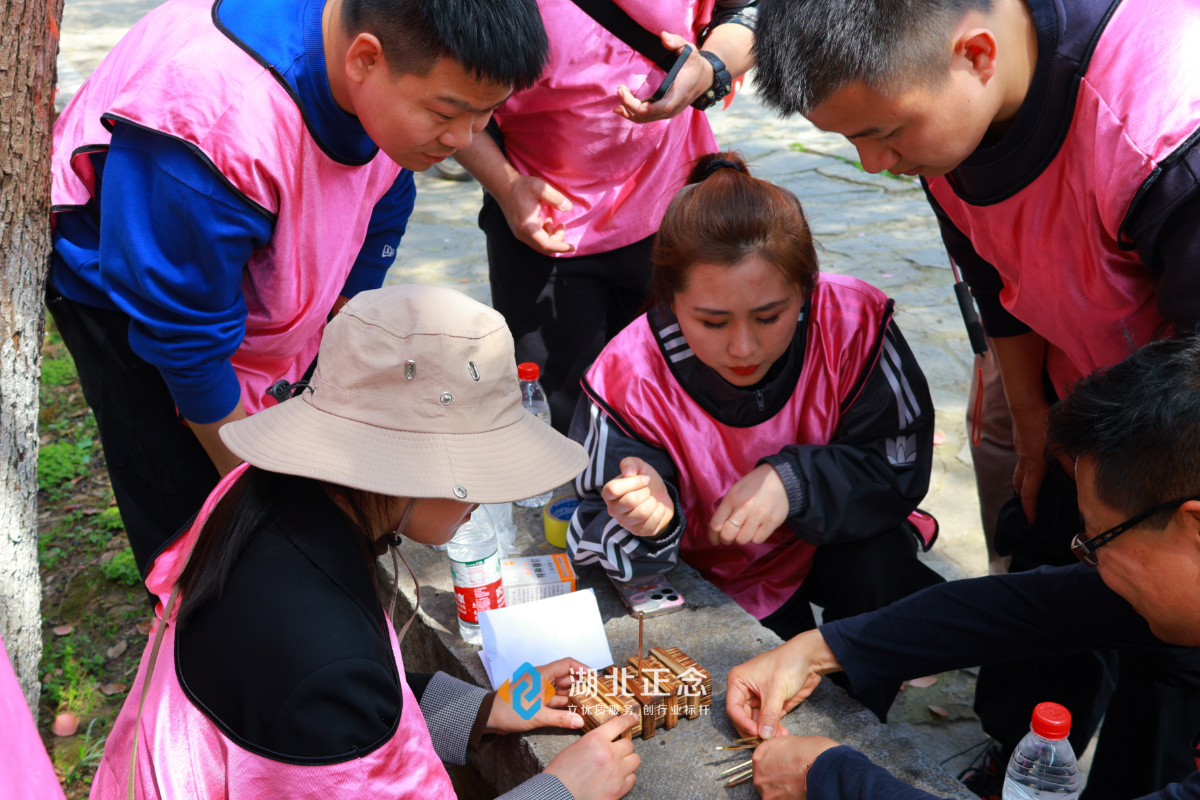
(534, 400)
(475, 564)
(1043, 765)
(506, 530)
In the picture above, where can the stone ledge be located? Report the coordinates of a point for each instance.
(679, 763)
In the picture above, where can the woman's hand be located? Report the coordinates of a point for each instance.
(597, 767)
(693, 79)
(638, 500)
(553, 714)
(781, 765)
(524, 204)
(751, 510)
(760, 691)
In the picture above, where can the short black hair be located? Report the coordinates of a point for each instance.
(808, 49)
(1140, 422)
(500, 41)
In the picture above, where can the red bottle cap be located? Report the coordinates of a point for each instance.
(528, 371)
(1051, 721)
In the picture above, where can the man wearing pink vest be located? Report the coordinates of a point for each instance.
(580, 167)
(1056, 142)
(228, 177)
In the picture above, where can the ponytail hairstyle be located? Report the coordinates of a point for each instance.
(723, 216)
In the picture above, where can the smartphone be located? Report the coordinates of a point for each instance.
(653, 597)
(665, 86)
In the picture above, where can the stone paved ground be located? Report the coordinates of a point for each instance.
(873, 227)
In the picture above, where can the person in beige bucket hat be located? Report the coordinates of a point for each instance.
(281, 653)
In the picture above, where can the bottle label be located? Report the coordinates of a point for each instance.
(477, 587)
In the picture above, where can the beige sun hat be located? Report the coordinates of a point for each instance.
(415, 395)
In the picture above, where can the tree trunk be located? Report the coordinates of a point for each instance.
(28, 50)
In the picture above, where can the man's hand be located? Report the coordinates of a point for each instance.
(781, 765)
(751, 510)
(1029, 439)
(525, 203)
(760, 691)
(638, 500)
(693, 79)
(552, 714)
(596, 767)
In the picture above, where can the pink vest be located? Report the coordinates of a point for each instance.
(632, 377)
(1089, 295)
(175, 72)
(25, 769)
(182, 754)
(619, 175)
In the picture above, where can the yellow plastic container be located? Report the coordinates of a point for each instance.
(557, 515)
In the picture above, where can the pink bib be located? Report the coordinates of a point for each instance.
(632, 377)
(619, 175)
(182, 755)
(1090, 295)
(177, 73)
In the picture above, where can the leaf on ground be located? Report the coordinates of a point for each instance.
(109, 689)
(144, 627)
(89, 512)
(72, 507)
(117, 649)
(939, 711)
(923, 683)
(65, 724)
(63, 630)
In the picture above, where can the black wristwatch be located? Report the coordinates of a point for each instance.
(722, 83)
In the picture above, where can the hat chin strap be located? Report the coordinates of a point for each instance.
(393, 540)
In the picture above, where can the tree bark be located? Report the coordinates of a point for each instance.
(28, 52)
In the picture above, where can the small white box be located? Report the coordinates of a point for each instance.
(536, 577)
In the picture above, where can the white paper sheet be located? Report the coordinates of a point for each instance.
(541, 632)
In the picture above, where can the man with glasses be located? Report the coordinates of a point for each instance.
(1133, 432)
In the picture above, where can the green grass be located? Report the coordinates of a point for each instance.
(122, 569)
(60, 462)
(58, 371)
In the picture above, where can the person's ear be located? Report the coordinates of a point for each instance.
(364, 54)
(1188, 517)
(975, 51)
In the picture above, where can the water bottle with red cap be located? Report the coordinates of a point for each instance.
(1043, 765)
(533, 397)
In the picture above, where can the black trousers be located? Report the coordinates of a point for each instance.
(160, 474)
(562, 311)
(853, 578)
(1149, 700)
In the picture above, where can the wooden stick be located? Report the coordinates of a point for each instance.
(736, 779)
(641, 623)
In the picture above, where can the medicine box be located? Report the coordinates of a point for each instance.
(536, 577)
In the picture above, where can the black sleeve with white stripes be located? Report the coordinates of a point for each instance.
(875, 470)
(593, 536)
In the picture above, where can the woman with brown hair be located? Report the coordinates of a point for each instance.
(768, 423)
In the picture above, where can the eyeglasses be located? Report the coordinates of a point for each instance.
(1085, 548)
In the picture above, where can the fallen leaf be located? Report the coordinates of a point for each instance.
(122, 609)
(89, 512)
(941, 712)
(112, 502)
(117, 649)
(923, 683)
(939, 437)
(74, 481)
(109, 689)
(144, 627)
(63, 630)
(78, 413)
(72, 506)
(65, 724)
(106, 557)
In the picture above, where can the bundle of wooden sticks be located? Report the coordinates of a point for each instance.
(659, 688)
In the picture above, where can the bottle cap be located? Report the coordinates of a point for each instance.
(1051, 721)
(528, 371)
